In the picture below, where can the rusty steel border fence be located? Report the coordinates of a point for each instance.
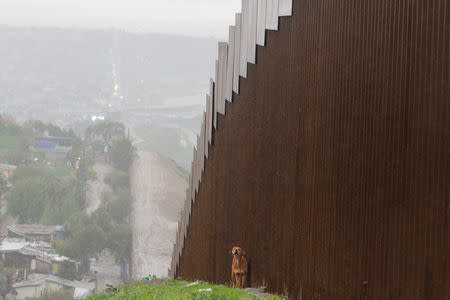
(330, 164)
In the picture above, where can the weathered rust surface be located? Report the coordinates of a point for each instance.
(331, 167)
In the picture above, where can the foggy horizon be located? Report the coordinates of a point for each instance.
(196, 18)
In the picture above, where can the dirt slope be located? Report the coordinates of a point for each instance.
(97, 187)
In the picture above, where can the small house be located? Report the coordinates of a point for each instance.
(38, 283)
(36, 233)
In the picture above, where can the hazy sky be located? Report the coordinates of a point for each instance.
(185, 17)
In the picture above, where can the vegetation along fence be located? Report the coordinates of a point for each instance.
(324, 152)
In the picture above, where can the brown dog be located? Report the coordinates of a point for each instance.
(239, 268)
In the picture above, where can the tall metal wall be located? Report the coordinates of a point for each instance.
(331, 166)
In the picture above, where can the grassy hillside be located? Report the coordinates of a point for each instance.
(169, 289)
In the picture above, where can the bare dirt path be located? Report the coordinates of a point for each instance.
(158, 192)
(96, 187)
(106, 271)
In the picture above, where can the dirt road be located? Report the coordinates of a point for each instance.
(158, 192)
(106, 271)
(97, 187)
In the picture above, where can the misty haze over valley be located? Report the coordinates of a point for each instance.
(71, 76)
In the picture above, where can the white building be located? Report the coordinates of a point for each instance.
(34, 287)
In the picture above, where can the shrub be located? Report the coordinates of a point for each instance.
(122, 154)
(67, 270)
(118, 180)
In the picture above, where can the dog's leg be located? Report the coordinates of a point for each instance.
(233, 279)
(238, 279)
(244, 280)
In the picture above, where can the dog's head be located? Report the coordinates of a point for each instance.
(237, 251)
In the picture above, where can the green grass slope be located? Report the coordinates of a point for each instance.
(169, 289)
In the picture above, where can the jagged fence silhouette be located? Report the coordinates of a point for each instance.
(324, 152)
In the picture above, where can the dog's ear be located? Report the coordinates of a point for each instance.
(231, 251)
(243, 252)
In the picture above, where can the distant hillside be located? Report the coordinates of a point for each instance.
(62, 74)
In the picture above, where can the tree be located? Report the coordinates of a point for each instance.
(39, 196)
(34, 128)
(122, 154)
(118, 180)
(118, 205)
(54, 130)
(120, 245)
(14, 129)
(87, 237)
(15, 156)
(81, 186)
(30, 171)
(7, 274)
(4, 285)
(17, 151)
(68, 270)
(96, 148)
(26, 200)
(60, 201)
(102, 219)
(2, 123)
(3, 185)
(106, 130)
(77, 223)
(85, 242)
(76, 151)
